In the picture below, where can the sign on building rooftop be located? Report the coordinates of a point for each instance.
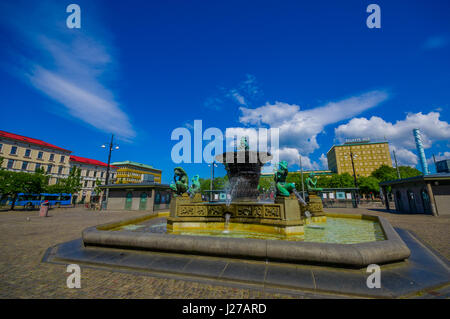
(357, 140)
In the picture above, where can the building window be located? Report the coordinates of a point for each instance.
(40, 155)
(38, 166)
(87, 173)
(24, 166)
(52, 157)
(1, 147)
(62, 159)
(101, 174)
(60, 170)
(95, 173)
(85, 183)
(13, 150)
(10, 163)
(27, 153)
(49, 169)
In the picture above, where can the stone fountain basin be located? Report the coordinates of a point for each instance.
(358, 255)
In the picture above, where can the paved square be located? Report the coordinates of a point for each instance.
(25, 238)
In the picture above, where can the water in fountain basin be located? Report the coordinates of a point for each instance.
(227, 222)
(310, 225)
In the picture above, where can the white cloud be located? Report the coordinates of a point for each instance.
(404, 156)
(246, 92)
(237, 97)
(323, 161)
(439, 157)
(399, 134)
(69, 66)
(298, 128)
(291, 155)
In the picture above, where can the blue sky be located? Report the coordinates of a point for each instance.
(140, 69)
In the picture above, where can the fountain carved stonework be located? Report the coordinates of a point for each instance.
(315, 206)
(244, 212)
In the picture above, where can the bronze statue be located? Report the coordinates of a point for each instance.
(181, 180)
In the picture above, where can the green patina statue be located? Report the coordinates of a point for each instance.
(195, 186)
(244, 144)
(311, 183)
(283, 188)
(181, 180)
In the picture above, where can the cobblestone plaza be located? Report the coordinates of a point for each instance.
(26, 237)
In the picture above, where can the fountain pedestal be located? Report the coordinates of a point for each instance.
(177, 201)
(315, 207)
(282, 217)
(244, 213)
(291, 207)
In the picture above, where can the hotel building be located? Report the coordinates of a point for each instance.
(367, 157)
(25, 154)
(91, 171)
(129, 172)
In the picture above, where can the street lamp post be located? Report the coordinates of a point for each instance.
(301, 172)
(396, 166)
(213, 164)
(111, 146)
(354, 178)
(353, 166)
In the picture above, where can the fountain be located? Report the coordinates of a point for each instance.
(245, 213)
(287, 229)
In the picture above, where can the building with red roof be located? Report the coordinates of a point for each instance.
(29, 140)
(91, 171)
(26, 154)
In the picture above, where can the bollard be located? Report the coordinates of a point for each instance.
(43, 212)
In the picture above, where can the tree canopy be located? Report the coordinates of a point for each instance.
(386, 173)
(13, 183)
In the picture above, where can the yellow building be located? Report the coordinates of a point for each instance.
(367, 157)
(26, 154)
(129, 172)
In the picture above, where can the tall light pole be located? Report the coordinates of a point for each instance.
(111, 146)
(353, 166)
(396, 166)
(213, 164)
(301, 172)
(355, 205)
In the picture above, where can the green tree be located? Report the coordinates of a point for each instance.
(265, 183)
(341, 181)
(97, 188)
(407, 171)
(73, 182)
(69, 185)
(368, 184)
(220, 182)
(204, 184)
(323, 182)
(13, 183)
(385, 173)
